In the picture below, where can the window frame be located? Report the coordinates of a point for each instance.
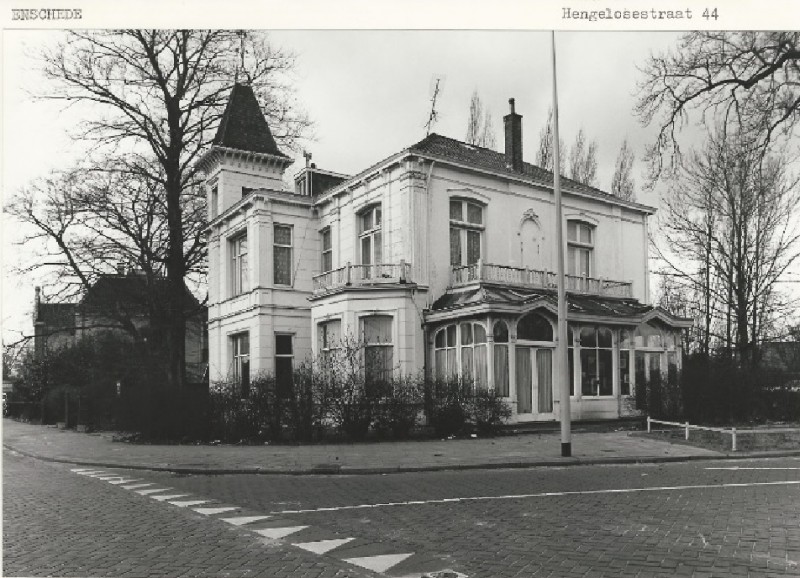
(374, 234)
(326, 263)
(275, 247)
(276, 356)
(465, 229)
(240, 264)
(238, 359)
(388, 372)
(577, 247)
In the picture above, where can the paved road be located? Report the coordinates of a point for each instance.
(710, 518)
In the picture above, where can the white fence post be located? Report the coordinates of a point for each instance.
(733, 441)
(687, 431)
(648, 424)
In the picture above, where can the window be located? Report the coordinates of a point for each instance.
(473, 354)
(625, 345)
(240, 278)
(369, 234)
(648, 336)
(282, 255)
(466, 231)
(534, 327)
(327, 250)
(378, 348)
(580, 245)
(596, 361)
(445, 353)
(330, 335)
(500, 334)
(284, 361)
(214, 201)
(240, 356)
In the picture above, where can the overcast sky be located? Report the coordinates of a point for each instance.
(368, 93)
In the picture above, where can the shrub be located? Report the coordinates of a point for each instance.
(488, 412)
(399, 408)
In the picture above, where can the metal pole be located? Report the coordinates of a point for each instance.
(561, 351)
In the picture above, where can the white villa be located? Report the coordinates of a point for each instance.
(440, 258)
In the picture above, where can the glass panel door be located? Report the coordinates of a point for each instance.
(544, 367)
(524, 380)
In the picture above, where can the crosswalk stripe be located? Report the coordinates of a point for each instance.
(213, 511)
(135, 486)
(379, 563)
(168, 497)
(188, 503)
(322, 546)
(279, 532)
(242, 520)
(81, 470)
(123, 481)
(152, 491)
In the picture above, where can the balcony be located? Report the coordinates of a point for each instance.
(534, 279)
(362, 276)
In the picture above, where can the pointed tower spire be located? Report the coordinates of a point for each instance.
(243, 126)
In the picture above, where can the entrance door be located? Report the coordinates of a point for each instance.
(535, 382)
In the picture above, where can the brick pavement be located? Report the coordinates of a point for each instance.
(55, 524)
(508, 451)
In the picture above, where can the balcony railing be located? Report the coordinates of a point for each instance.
(363, 275)
(522, 277)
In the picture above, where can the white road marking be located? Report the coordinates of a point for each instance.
(82, 470)
(747, 468)
(242, 520)
(123, 481)
(152, 491)
(538, 495)
(169, 497)
(323, 546)
(187, 503)
(213, 511)
(379, 563)
(135, 486)
(279, 532)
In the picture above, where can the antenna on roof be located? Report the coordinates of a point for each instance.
(436, 86)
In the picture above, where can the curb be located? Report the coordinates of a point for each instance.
(338, 470)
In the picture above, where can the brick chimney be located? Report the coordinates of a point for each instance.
(513, 126)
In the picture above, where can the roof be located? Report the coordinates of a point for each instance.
(131, 290)
(243, 125)
(480, 157)
(56, 315)
(577, 305)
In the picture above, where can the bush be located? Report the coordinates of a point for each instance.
(488, 412)
(456, 408)
(399, 409)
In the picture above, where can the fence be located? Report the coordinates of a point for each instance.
(687, 426)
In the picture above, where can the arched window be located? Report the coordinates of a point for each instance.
(648, 336)
(445, 353)
(500, 334)
(473, 354)
(534, 327)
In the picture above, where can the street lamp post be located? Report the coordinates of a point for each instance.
(561, 352)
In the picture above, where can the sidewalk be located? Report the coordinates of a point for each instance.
(98, 449)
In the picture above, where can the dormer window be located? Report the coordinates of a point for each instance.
(580, 248)
(466, 232)
(369, 234)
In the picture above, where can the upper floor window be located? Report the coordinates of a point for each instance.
(214, 201)
(369, 233)
(282, 255)
(466, 232)
(327, 250)
(580, 247)
(240, 278)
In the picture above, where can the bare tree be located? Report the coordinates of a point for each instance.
(583, 160)
(751, 79)
(158, 95)
(622, 183)
(480, 127)
(730, 222)
(545, 154)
